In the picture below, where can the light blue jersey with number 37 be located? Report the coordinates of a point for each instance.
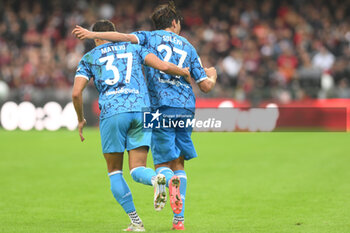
(116, 69)
(164, 89)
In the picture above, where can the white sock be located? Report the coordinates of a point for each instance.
(178, 219)
(134, 218)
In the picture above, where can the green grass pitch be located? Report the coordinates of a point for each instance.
(241, 183)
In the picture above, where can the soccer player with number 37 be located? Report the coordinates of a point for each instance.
(116, 69)
(169, 95)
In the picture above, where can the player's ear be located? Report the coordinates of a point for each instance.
(178, 23)
(174, 23)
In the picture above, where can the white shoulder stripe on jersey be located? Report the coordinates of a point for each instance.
(115, 172)
(202, 79)
(83, 76)
(132, 170)
(138, 40)
(200, 62)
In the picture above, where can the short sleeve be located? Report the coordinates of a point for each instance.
(197, 71)
(143, 52)
(142, 37)
(83, 70)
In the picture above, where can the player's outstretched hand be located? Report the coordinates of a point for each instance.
(211, 72)
(188, 74)
(80, 128)
(82, 33)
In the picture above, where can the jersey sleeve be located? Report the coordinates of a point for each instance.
(83, 70)
(143, 52)
(142, 37)
(197, 71)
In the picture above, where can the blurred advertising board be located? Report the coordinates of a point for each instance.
(221, 115)
(306, 115)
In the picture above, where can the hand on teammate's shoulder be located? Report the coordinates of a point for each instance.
(82, 33)
(188, 74)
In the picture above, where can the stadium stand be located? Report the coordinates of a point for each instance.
(281, 50)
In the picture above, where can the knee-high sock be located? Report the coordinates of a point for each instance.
(183, 185)
(167, 172)
(143, 175)
(121, 191)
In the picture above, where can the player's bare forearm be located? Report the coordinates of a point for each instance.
(167, 67)
(116, 36)
(172, 69)
(208, 84)
(78, 105)
(77, 97)
(83, 33)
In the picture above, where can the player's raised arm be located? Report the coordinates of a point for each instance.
(208, 84)
(83, 33)
(167, 67)
(77, 97)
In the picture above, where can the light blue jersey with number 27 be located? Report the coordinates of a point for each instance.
(117, 72)
(164, 89)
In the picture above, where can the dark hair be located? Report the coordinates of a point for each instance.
(103, 26)
(164, 15)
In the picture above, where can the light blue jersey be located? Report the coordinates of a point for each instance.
(164, 89)
(117, 73)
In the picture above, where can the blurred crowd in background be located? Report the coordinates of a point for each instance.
(267, 49)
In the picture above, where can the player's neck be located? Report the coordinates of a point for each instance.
(101, 42)
(170, 30)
